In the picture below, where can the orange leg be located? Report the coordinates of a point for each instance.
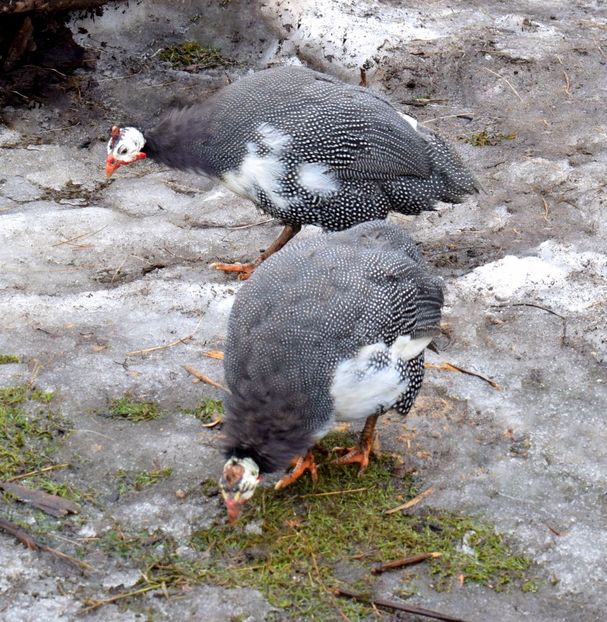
(300, 465)
(246, 269)
(360, 453)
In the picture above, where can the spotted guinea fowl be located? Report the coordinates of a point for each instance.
(306, 148)
(332, 328)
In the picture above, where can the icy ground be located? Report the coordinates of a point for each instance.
(93, 271)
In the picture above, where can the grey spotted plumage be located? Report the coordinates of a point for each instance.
(310, 149)
(331, 328)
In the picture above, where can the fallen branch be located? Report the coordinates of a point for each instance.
(390, 604)
(203, 377)
(51, 504)
(29, 541)
(406, 561)
(412, 502)
(451, 367)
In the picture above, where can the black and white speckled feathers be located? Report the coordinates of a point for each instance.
(310, 149)
(330, 328)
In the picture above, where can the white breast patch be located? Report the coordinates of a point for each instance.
(316, 179)
(359, 389)
(258, 172)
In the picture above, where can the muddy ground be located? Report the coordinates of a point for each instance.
(94, 274)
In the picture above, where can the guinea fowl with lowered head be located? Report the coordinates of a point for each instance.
(306, 148)
(330, 329)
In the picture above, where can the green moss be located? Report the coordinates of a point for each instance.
(207, 411)
(139, 480)
(28, 430)
(192, 54)
(132, 410)
(5, 359)
(487, 138)
(310, 541)
(307, 535)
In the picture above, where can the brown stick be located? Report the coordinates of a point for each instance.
(29, 541)
(390, 604)
(406, 561)
(412, 502)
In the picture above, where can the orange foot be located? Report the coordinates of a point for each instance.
(245, 270)
(300, 465)
(353, 455)
(362, 452)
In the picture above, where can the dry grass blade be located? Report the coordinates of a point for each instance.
(52, 467)
(497, 75)
(166, 345)
(94, 603)
(203, 377)
(79, 237)
(333, 492)
(461, 370)
(412, 502)
(546, 210)
(213, 354)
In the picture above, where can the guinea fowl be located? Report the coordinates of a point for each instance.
(307, 149)
(332, 328)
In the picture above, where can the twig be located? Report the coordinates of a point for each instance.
(412, 502)
(332, 492)
(390, 604)
(166, 345)
(451, 367)
(203, 377)
(95, 603)
(506, 81)
(52, 467)
(79, 237)
(29, 541)
(406, 561)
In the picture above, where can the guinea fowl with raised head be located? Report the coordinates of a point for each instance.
(306, 148)
(332, 328)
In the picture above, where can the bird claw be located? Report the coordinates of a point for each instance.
(300, 465)
(245, 270)
(353, 455)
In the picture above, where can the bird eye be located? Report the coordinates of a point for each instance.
(122, 151)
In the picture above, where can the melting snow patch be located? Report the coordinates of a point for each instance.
(558, 275)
